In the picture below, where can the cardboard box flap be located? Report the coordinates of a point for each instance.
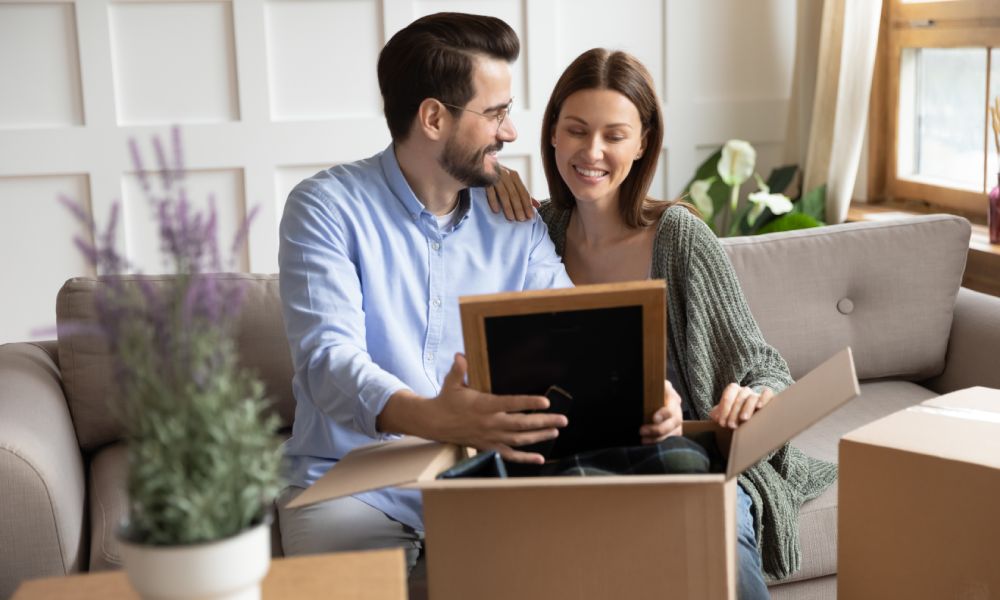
(820, 392)
(981, 399)
(962, 426)
(381, 465)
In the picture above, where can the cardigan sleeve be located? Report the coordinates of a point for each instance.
(723, 341)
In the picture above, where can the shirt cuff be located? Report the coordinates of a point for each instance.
(371, 403)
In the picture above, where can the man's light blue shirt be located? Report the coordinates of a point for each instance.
(370, 288)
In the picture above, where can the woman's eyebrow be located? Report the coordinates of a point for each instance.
(606, 126)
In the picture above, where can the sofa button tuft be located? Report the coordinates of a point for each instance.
(845, 306)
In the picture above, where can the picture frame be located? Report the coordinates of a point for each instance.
(604, 344)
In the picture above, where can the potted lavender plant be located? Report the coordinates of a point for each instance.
(202, 450)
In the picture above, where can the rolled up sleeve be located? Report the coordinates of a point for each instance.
(324, 316)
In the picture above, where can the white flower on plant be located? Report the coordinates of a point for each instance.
(778, 204)
(699, 195)
(737, 162)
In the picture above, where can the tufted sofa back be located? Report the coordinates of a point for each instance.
(86, 366)
(887, 289)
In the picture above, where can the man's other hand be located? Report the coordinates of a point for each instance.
(464, 416)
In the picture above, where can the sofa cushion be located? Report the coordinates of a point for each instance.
(86, 367)
(42, 481)
(108, 505)
(878, 399)
(108, 500)
(818, 517)
(823, 588)
(886, 289)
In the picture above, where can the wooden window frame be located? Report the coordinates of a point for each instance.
(939, 24)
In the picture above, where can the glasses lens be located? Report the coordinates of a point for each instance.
(502, 115)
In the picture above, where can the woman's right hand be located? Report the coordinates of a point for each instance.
(738, 404)
(510, 195)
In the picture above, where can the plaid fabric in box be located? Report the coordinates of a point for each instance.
(675, 455)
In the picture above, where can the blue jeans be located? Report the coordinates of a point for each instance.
(750, 575)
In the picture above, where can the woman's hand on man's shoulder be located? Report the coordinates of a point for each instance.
(510, 195)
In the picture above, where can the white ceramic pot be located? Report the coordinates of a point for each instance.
(229, 569)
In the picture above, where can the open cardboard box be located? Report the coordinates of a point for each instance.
(634, 536)
(919, 498)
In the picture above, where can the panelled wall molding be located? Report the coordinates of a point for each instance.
(267, 92)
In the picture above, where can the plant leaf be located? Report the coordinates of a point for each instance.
(706, 169)
(784, 180)
(813, 203)
(790, 221)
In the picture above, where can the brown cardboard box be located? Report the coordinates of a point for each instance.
(605, 537)
(919, 507)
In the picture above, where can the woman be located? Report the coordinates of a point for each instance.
(601, 135)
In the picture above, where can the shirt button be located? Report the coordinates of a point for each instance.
(436, 246)
(429, 357)
(436, 302)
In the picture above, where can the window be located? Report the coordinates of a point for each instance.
(939, 68)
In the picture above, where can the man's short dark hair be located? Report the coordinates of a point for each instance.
(433, 57)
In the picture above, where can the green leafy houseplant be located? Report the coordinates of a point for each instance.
(775, 206)
(203, 457)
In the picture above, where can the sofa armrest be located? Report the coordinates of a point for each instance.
(974, 345)
(42, 517)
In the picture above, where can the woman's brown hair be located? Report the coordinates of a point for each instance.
(601, 69)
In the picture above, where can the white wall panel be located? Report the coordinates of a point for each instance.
(322, 58)
(39, 66)
(635, 26)
(37, 232)
(174, 62)
(223, 187)
(746, 56)
(271, 91)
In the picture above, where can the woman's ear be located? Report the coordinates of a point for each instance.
(431, 119)
(642, 147)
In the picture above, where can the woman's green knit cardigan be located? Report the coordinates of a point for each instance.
(713, 340)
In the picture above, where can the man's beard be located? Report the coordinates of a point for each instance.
(466, 165)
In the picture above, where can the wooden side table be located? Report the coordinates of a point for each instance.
(371, 575)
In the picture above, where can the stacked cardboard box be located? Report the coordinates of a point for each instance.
(919, 507)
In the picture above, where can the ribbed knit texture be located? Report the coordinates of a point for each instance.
(713, 340)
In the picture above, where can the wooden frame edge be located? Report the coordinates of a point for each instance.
(650, 295)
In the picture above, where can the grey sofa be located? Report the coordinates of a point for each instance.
(889, 290)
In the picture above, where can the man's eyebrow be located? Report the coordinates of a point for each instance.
(497, 107)
(582, 122)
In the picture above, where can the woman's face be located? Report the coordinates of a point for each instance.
(597, 136)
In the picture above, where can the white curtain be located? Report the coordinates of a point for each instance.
(836, 42)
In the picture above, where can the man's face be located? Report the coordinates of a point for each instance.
(469, 153)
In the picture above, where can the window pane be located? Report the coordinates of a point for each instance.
(993, 164)
(941, 116)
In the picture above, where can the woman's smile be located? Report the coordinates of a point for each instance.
(597, 138)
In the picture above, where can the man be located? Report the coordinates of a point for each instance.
(373, 258)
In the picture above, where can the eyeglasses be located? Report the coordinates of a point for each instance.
(499, 117)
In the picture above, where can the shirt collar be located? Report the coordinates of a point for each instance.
(404, 193)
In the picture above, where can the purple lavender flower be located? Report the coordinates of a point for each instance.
(167, 323)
